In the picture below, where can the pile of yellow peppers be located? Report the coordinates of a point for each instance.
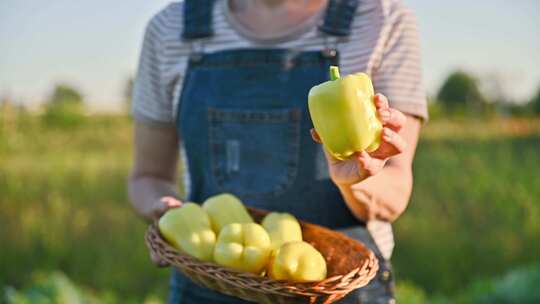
(222, 231)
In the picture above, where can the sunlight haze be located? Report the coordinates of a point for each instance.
(94, 45)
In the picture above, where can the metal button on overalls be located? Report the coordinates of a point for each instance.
(385, 275)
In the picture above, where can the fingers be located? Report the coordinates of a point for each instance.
(392, 144)
(394, 140)
(368, 166)
(165, 203)
(389, 117)
(381, 102)
(392, 118)
(171, 202)
(315, 136)
(372, 163)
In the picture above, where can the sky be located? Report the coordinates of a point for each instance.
(94, 45)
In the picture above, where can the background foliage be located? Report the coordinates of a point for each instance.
(470, 234)
(471, 230)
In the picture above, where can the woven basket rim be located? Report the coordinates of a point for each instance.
(336, 285)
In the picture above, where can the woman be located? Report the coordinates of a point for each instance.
(226, 83)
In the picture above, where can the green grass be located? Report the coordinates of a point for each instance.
(63, 206)
(475, 211)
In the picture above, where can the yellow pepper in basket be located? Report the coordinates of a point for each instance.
(244, 247)
(224, 209)
(282, 228)
(188, 229)
(297, 261)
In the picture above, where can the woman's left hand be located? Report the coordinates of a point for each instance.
(362, 164)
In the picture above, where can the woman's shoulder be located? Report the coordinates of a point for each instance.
(388, 8)
(376, 15)
(168, 19)
(173, 10)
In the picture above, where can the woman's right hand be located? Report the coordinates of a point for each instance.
(158, 209)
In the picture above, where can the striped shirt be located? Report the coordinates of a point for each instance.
(383, 44)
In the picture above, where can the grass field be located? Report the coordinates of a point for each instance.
(475, 211)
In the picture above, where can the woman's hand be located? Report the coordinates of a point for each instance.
(363, 164)
(158, 209)
(162, 205)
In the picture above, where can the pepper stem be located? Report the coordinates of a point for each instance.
(334, 72)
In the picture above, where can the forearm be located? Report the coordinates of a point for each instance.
(154, 173)
(145, 191)
(383, 196)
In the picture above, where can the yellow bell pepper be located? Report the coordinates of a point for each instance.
(344, 114)
(297, 261)
(282, 228)
(224, 209)
(188, 229)
(244, 247)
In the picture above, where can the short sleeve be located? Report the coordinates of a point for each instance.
(152, 101)
(398, 75)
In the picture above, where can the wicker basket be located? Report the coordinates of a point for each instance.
(351, 265)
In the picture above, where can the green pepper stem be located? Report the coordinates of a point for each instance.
(334, 72)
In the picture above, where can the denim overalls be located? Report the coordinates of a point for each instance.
(244, 123)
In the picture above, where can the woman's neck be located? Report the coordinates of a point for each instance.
(272, 3)
(266, 4)
(270, 18)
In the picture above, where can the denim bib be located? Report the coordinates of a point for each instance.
(244, 123)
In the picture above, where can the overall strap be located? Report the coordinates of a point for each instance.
(198, 19)
(339, 17)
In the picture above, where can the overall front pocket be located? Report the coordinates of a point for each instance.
(254, 152)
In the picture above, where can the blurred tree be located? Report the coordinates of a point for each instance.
(64, 94)
(495, 88)
(460, 92)
(435, 109)
(518, 109)
(64, 106)
(535, 102)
